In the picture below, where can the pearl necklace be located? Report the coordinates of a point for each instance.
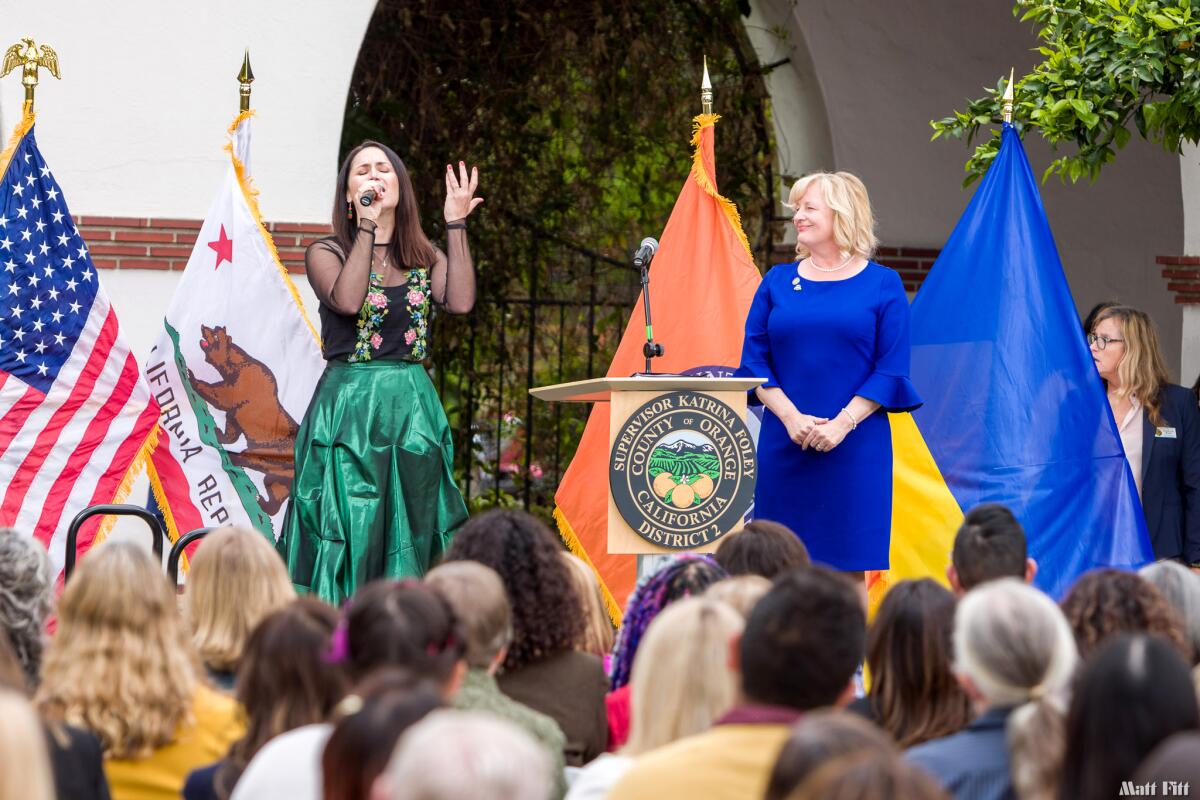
(813, 263)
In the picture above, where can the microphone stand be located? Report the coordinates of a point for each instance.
(650, 349)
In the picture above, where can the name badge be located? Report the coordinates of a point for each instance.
(1164, 433)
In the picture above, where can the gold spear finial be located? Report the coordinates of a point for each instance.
(245, 78)
(26, 53)
(1007, 108)
(706, 90)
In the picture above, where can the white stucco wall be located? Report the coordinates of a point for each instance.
(1189, 174)
(885, 69)
(136, 125)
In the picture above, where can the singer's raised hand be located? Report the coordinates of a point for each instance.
(460, 192)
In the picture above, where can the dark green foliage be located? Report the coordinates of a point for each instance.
(578, 115)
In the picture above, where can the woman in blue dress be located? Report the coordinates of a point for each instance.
(830, 334)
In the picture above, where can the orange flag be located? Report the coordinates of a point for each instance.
(702, 282)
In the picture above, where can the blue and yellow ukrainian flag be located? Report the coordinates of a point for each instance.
(1014, 412)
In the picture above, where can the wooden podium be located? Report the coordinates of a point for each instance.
(682, 465)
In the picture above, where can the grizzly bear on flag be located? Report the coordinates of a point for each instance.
(249, 396)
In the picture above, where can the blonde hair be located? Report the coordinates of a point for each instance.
(120, 664)
(598, 635)
(853, 221)
(235, 580)
(1143, 371)
(1016, 646)
(681, 679)
(740, 592)
(24, 763)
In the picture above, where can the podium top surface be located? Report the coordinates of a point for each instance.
(598, 390)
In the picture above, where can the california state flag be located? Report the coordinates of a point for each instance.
(704, 256)
(233, 369)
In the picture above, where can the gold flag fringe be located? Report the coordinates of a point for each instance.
(23, 127)
(706, 181)
(575, 546)
(140, 464)
(250, 194)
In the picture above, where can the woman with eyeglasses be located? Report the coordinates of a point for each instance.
(1159, 424)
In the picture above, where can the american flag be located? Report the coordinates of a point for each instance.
(75, 413)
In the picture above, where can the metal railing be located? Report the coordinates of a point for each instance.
(112, 509)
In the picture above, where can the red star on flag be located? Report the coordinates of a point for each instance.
(223, 247)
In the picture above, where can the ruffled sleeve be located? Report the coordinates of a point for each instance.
(888, 383)
(756, 346)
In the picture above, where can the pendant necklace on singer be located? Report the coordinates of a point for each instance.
(383, 258)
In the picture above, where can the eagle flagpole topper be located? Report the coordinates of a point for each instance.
(30, 56)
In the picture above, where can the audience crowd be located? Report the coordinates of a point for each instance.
(751, 673)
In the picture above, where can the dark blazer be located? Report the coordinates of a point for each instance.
(568, 687)
(1171, 477)
(972, 764)
(77, 762)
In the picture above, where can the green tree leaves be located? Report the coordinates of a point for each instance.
(1110, 67)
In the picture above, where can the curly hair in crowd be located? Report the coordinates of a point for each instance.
(26, 598)
(548, 614)
(1108, 601)
(120, 664)
(685, 576)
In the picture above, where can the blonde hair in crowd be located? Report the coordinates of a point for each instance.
(1016, 646)
(120, 664)
(24, 763)
(598, 637)
(740, 592)
(681, 680)
(236, 579)
(1142, 371)
(846, 196)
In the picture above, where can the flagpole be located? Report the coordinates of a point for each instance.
(1007, 108)
(29, 56)
(706, 93)
(245, 78)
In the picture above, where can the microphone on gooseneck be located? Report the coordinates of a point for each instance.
(645, 252)
(367, 198)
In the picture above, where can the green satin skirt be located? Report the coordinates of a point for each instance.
(374, 494)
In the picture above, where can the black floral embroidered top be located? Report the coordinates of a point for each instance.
(392, 324)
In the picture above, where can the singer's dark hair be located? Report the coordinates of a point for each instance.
(409, 245)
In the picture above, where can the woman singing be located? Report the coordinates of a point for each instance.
(374, 495)
(830, 334)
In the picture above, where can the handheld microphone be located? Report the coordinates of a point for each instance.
(367, 198)
(645, 252)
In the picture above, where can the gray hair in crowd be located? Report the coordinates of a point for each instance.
(1016, 646)
(1181, 588)
(26, 597)
(467, 755)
